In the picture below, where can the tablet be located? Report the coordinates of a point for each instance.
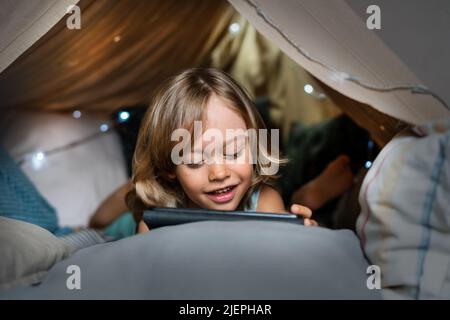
(159, 217)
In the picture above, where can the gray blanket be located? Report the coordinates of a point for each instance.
(213, 260)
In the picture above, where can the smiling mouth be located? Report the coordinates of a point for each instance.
(222, 195)
(222, 190)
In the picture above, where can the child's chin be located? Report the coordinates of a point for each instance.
(229, 206)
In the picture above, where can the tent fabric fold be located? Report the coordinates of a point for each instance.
(333, 43)
(122, 52)
(125, 49)
(23, 22)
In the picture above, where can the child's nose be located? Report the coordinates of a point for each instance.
(218, 171)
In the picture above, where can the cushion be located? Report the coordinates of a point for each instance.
(215, 260)
(404, 225)
(27, 251)
(19, 199)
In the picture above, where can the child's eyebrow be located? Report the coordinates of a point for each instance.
(238, 138)
(225, 144)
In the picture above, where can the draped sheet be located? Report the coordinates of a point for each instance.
(122, 52)
(263, 69)
(23, 22)
(126, 48)
(332, 42)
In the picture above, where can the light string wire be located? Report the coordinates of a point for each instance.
(413, 88)
(65, 147)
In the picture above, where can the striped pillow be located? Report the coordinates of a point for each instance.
(404, 224)
(19, 198)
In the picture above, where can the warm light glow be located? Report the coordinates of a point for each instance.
(124, 116)
(38, 160)
(73, 63)
(104, 127)
(234, 28)
(308, 88)
(117, 38)
(76, 114)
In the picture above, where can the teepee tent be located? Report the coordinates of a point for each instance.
(400, 69)
(24, 22)
(120, 52)
(59, 85)
(124, 49)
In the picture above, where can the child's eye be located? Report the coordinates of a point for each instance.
(234, 156)
(195, 165)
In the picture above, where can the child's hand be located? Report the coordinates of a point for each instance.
(305, 212)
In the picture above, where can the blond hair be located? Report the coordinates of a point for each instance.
(180, 101)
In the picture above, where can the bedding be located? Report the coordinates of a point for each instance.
(404, 223)
(215, 260)
(19, 198)
(27, 251)
(90, 170)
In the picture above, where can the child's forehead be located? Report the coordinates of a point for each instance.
(234, 138)
(221, 114)
(222, 122)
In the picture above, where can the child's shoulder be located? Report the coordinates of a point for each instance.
(270, 200)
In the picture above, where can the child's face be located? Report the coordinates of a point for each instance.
(220, 184)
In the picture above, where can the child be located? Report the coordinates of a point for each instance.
(229, 180)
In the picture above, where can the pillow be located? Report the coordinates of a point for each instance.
(215, 260)
(19, 198)
(27, 251)
(73, 180)
(404, 225)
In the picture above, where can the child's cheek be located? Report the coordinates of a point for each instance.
(244, 171)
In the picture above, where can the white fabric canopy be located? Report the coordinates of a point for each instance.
(330, 39)
(23, 22)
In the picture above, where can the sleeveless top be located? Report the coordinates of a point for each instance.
(253, 201)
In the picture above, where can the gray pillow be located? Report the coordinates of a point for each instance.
(27, 251)
(215, 260)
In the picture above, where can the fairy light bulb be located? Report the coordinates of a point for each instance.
(37, 160)
(104, 127)
(124, 116)
(309, 89)
(234, 28)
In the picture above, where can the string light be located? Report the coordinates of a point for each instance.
(342, 76)
(368, 164)
(76, 114)
(38, 159)
(104, 127)
(123, 116)
(308, 88)
(234, 28)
